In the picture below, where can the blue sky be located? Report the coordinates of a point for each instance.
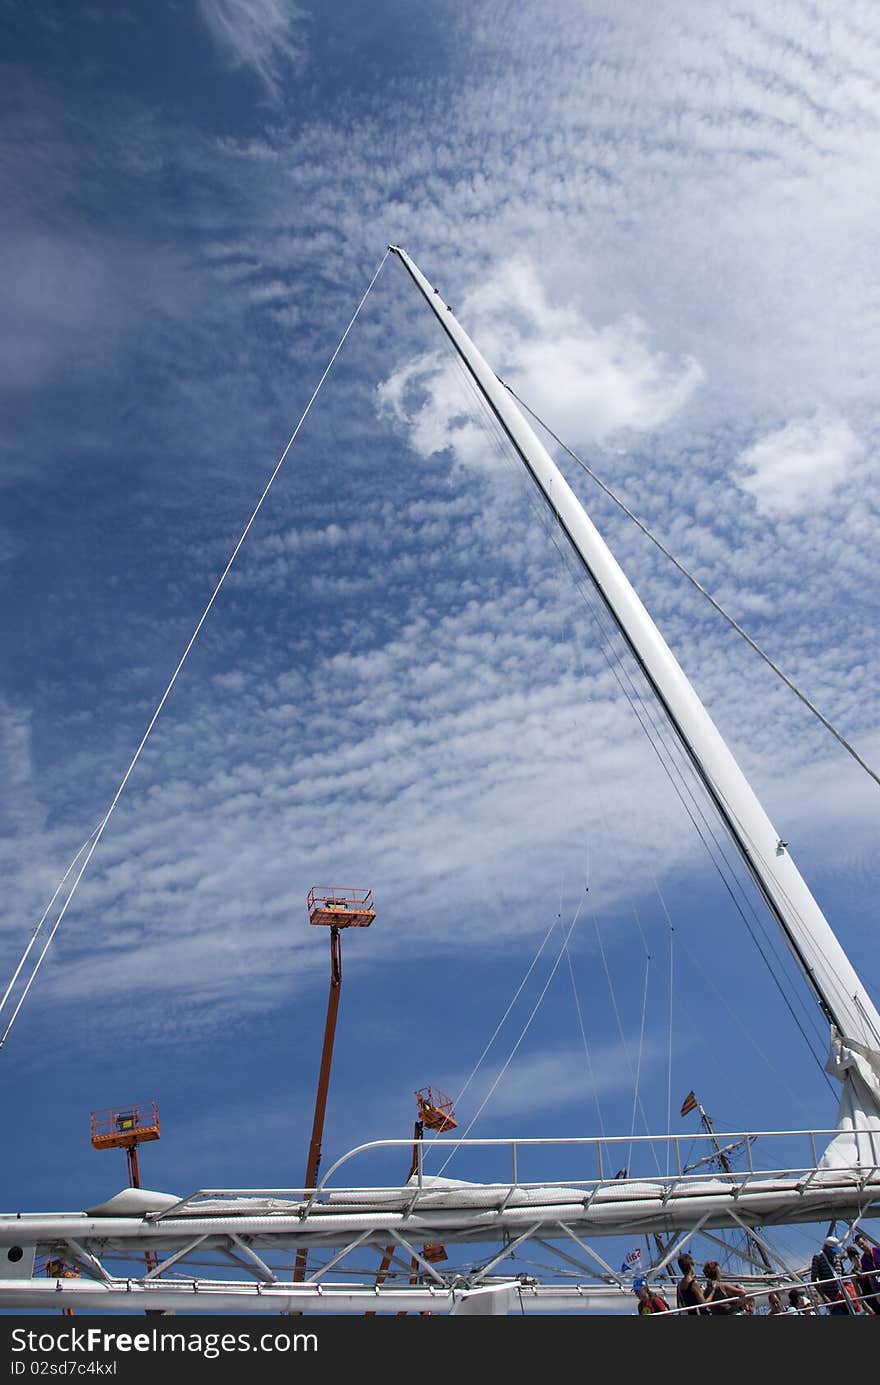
(656, 221)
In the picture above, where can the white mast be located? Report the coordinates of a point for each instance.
(845, 1002)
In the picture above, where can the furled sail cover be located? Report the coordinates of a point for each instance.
(857, 1067)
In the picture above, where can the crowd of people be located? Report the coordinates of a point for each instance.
(848, 1289)
(836, 1287)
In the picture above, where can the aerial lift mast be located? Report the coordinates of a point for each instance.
(433, 1112)
(126, 1127)
(333, 908)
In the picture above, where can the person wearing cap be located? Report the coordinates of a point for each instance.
(826, 1272)
(649, 1302)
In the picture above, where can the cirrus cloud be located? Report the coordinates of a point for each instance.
(255, 33)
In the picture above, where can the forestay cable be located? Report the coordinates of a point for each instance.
(34, 936)
(93, 841)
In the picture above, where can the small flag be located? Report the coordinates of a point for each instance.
(633, 1261)
(621, 1173)
(689, 1104)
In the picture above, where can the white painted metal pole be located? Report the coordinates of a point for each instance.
(834, 981)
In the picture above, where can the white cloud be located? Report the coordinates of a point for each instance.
(260, 34)
(799, 467)
(595, 381)
(590, 383)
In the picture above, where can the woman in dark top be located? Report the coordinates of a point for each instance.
(716, 1291)
(688, 1294)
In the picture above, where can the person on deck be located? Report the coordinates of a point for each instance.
(799, 1303)
(689, 1295)
(649, 1302)
(722, 1298)
(870, 1271)
(863, 1284)
(827, 1273)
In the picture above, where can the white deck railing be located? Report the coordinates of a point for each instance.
(801, 1171)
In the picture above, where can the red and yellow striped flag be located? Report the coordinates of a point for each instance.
(689, 1104)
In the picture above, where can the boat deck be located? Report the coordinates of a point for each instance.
(243, 1226)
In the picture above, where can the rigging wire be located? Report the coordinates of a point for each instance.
(647, 951)
(500, 1024)
(789, 683)
(92, 842)
(638, 1072)
(684, 784)
(34, 937)
(636, 1101)
(623, 1043)
(658, 728)
(522, 1035)
(587, 1053)
(687, 786)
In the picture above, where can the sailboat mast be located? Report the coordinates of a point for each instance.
(841, 995)
(723, 1160)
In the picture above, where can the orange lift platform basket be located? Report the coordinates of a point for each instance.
(340, 908)
(122, 1127)
(435, 1109)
